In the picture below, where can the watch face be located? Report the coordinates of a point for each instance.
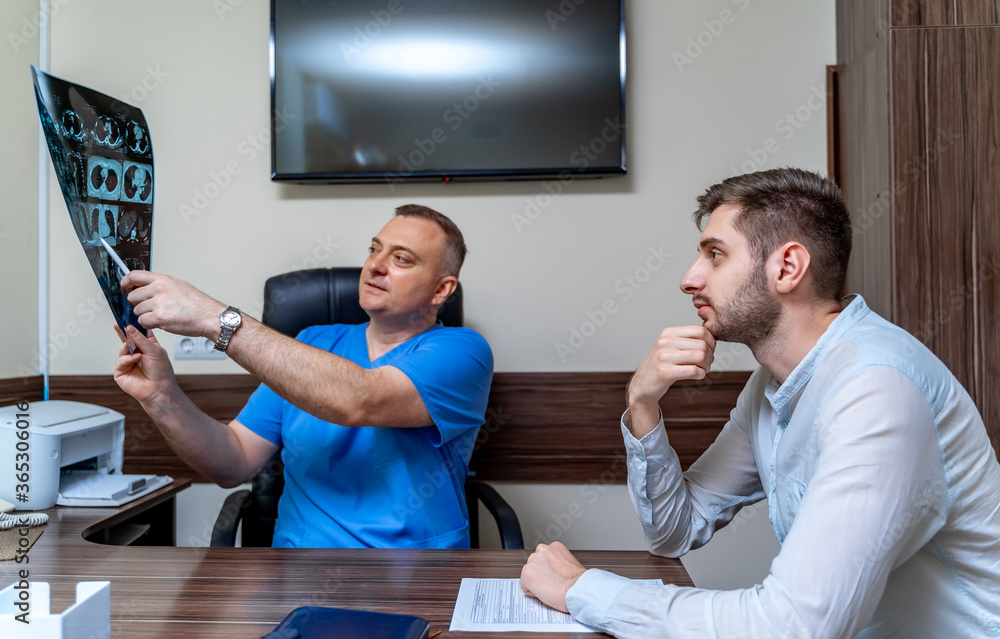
(231, 318)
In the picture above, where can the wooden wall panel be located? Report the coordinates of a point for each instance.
(863, 105)
(912, 227)
(565, 427)
(944, 13)
(933, 239)
(861, 25)
(982, 61)
(21, 389)
(544, 427)
(221, 396)
(922, 13)
(946, 119)
(948, 327)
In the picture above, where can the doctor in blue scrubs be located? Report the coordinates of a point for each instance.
(376, 422)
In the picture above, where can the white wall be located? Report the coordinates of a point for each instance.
(19, 186)
(697, 114)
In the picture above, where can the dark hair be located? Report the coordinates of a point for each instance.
(782, 205)
(454, 242)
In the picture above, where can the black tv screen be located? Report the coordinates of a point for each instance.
(405, 90)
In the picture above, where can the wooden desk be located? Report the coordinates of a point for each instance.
(245, 592)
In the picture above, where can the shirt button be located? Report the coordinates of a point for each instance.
(641, 458)
(783, 424)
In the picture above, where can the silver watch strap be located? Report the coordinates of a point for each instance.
(226, 331)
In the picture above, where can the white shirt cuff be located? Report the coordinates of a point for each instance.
(653, 449)
(593, 594)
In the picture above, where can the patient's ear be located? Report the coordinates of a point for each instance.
(793, 261)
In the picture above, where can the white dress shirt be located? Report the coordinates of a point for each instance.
(882, 487)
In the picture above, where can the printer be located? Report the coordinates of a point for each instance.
(72, 455)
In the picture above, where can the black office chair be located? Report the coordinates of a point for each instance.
(294, 301)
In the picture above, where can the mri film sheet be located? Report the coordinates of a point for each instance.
(103, 157)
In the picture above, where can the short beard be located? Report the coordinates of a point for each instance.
(751, 317)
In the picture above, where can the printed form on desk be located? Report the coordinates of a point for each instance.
(499, 605)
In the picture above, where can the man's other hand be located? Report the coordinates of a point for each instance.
(145, 374)
(681, 352)
(549, 574)
(165, 302)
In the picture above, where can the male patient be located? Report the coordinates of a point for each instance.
(882, 486)
(366, 416)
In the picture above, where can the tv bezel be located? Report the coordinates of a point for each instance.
(465, 175)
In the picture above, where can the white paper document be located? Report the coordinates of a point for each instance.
(97, 488)
(499, 605)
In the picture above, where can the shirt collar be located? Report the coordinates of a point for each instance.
(854, 310)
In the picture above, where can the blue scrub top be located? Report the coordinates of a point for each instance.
(381, 487)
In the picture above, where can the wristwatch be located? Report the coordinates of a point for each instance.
(231, 320)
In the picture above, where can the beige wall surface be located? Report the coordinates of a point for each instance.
(711, 88)
(19, 20)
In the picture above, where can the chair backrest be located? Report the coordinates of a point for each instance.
(315, 297)
(292, 302)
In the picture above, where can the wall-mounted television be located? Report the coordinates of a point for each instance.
(441, 90)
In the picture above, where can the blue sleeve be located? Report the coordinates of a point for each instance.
(452, 370)
(264, 411)
(262, 414)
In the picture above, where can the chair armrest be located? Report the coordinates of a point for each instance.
(506, 518)
(228, 521)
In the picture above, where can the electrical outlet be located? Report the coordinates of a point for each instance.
(195, 348)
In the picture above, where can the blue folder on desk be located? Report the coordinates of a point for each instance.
(313, 622)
